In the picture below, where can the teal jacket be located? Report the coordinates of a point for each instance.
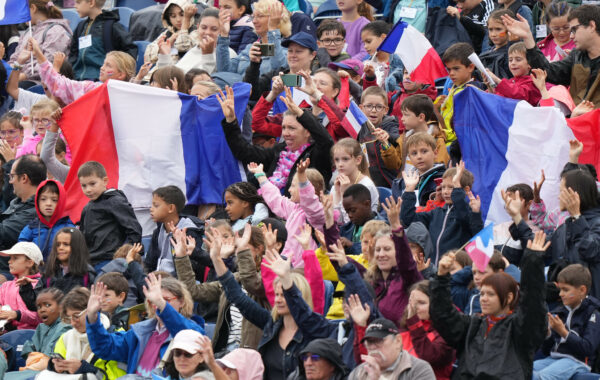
(45, 337)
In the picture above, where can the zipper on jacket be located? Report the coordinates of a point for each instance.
(437, 244)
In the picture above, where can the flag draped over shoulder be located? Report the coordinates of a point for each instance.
(505, 142)
(14, 12)
(150, 137)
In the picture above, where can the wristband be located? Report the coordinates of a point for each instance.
(385, 146)
(15, 66)
(397, 230)
(257, 175)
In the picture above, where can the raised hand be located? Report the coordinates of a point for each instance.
(270, 236)
(301, 170)
(337, 253)
(459, 171)
(411, 180)
(327, 201)
(381, 135)
(174, 85)
(277, 86)
(277, 264)
(569, 200)
(144, 70)
(421, 263)
(136, 248)
(8, 152)
(191, 244)
(392, 208)
(224, 22)
(255, 55)
(539, 242)
(242, 242)
(360, 314)
(165, 45)
(207, 44)
(153, 292)
(255, 168)
(289, 103)
(178, 242)
(37, 51)
(518, 28)
(275, 15)
(537, 188)
(474, 202)
(58, 59)
(584, 107)
(227, 102)
(206, 350)
(305, 236)
(320, 239)
(95, 300)
(188, 16)
(445, 264)
(513, 206)
(575, 149)
(309, 87)
(342, 182)
(538, 76)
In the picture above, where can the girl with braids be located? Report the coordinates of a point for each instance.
(50, 29)
(244, 205)
(558, 44)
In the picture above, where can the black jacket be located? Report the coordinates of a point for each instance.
(107, 223)
(66, 282)
(318, 151)
(506, 351)
(497, 61)
(12, 221)
(380, 175)
(426, 184)
(327, 349)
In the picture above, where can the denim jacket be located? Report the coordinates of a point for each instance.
(240, 63)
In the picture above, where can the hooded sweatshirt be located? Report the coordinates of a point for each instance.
(328, 349)
(42, 231)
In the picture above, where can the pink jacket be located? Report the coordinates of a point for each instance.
(9, 295)
(296, 215)
(30, 144)
(65, 89)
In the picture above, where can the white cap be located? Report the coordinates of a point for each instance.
(186, 340)
(31, 250)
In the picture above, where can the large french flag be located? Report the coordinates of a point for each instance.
(414, 49)
(505, 142)
(354, 120)
(149, 137)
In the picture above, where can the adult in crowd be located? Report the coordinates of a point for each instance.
(321, 359)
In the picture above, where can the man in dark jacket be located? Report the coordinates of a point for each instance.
(26, 174)
(95, 36)
(321, 359)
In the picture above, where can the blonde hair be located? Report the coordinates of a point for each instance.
(302, 285)
(124, 62)
(285, 25)
(373, 272)
(421, 138)
(316, 179)
(372, 227)
(45, 105)
(353, 148)
(212, 87)
(178, 289)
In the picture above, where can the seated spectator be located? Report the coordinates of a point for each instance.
(496, 58)
(357, 205)
(557, 45)
(381, 69)
(56, 168)
(41, 120)
(331, 40)
(128, 261)
(243, 362)
(241, 30)
(473, 15)
(353, 23)
(113, 298)
(321, 360)
(170, 78)
(243, 205)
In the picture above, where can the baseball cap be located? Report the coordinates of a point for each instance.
(348, 64)
(380, 328)
(186, 340)
(28, 249)
(302, 39)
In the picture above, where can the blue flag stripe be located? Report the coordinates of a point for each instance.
(391, 41)
(15, 12)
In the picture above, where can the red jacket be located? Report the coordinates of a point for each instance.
(424, 342)
(520, 88)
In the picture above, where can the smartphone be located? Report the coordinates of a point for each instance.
(56, 355)
(267, 50)
(292, 80)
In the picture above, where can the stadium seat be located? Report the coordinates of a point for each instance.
(136, 5)
(306, 7)
(146, 241)
(328, 9)
(384, 193)
(16, 339)
(38, 89)
(125, 16)
(209, 329)
(586, 376)
(141, 45)
(73, 18)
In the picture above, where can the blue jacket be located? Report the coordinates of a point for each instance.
(241, 34)
(450, 226)
(584, 332)
(124, 346)
(38, 233)
(240, 63)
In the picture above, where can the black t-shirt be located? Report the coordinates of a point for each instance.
(481, 12)
(273, 360)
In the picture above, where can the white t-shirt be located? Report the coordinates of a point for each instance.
(26, 100)
(369, 184)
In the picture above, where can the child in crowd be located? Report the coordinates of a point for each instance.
(41, 120)
(357, 205)
(302, 206)
(74, 347)
(243, 205)
(128, 261)
(331, 39)
(167, 76)
(11, 130)
(381, 68)
(115, 293)
(352, 168)
(420, 162)
(353, 23)
(496, 59)
(374, 103)
(24, 261)
(108, 220)
(68, 265)
(460, 70)
(573, 328)
(473, 15)
(408, 88)
(50, 201)
(418, 115)
(38, 349)
(452, 225)
(238, 14)
(178, 19)
(421, 248)
(91, 41)
(558, 43)
(167, 204)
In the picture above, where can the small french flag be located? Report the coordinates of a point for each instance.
(481, 247)
(414, 49)
(354, 120)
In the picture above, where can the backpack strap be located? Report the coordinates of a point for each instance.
(107, 33)
(51, 26)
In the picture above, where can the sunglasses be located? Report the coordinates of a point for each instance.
(313, 357)
(177, 352)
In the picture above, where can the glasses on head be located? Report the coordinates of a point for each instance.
(74, 317)
(313, 357)
(557, 29)
(178, 352)
(332, 41)
(9, 132)
(45, 122)
(574, 28)
(376, 107)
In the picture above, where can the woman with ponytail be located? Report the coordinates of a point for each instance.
(51, 31)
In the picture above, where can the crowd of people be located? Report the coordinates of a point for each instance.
(343, 254)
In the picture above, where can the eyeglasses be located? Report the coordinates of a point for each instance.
(75, 316)
(12, 176)
(557, 29)
(376, 107)
(45, 122)
(169, 299)
(177, 352)
(313, 357)
(574, 28)
(9, 132)
(334, 41)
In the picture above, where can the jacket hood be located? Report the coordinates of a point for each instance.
(328, 349)
(116, 265)
(60, 211)
(50, 21)
(165, 18)
(417, 233)
(245, 20)
(109, 193)
(109, 15)
(593, 213)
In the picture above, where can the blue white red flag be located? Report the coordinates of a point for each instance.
(481, 247)
(354, 120)
(14, 12)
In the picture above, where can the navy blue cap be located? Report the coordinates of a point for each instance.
(302, 39)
